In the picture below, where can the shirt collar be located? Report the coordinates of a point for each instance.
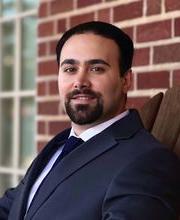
(90, 132)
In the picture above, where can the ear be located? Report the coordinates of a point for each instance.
(127, 81)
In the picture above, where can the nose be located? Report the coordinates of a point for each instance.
(82, 80)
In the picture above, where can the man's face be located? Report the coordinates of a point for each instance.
(91, 89)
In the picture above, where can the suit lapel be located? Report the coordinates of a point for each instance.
(84, 154)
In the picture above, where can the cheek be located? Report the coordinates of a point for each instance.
(62, 86)
(109, 89)
(112, 92)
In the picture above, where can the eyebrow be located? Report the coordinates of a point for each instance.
(97, 61)
(91, 62)
(69, 61)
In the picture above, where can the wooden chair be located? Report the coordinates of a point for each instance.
(161, 116)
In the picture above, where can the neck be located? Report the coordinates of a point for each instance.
(78, 129)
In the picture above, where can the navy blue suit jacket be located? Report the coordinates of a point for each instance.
(123, 173)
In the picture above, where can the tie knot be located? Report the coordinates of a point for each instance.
(74, 140)
(70, 144)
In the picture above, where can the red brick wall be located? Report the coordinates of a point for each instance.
(154, 26)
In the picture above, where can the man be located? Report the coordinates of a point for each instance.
(119, 171)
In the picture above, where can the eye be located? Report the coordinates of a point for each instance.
(69, 69)
(98, 69)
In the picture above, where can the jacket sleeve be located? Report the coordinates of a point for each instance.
(147, 189)
(10, 195)
(7, 200)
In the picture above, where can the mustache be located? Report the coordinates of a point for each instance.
(83, 91)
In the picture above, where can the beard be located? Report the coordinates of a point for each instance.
(82, 114)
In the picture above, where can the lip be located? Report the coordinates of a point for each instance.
(82, 99)
(83, 96)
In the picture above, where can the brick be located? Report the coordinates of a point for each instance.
(136, 102)
(41, 145)
(52, 47)
(56, 127)
(176, 78)
(177, 27)
(82, 3)
(104, 15)
(53, 87)
(167, 53)
(154, 31)
(41, 88)
(43, 10)
(61, 25)
(81, 18)
(57, 6)
(47, 68)
(172, 5)
(48, 108)
(153, 7)
(46, 29)
(149, 80)
(128, 11)
(129, 31)
(141, 57)
(41, 125)
(42, 49)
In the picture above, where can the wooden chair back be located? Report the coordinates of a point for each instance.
(161, 116)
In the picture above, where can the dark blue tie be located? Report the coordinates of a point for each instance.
(70, 144)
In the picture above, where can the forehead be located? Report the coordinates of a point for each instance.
(89, 46)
